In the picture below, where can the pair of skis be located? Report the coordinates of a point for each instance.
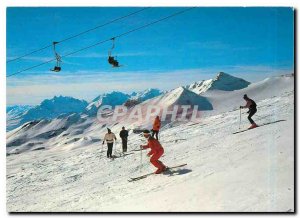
(149, 174)
(259, 126)
(120, 155)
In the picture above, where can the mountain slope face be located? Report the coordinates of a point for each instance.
(119, 98)
(223, 100)
(223, 81)
(145, 95)
(47, 134)
(51, 108)
(14, 114)
(112, 99)
(163, 105)
(17, 110)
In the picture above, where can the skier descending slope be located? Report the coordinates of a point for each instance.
(156, 152)
(252, 110)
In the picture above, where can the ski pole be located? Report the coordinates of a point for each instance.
(115, 149)
(158, 137)
(141, 160)
(240, 119)
(102, 147)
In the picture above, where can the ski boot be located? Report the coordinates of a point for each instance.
(253, 126)
(160, 170)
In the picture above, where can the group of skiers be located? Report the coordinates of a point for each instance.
(110, 137)
(156, 148)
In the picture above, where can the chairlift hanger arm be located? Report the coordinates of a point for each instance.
(113, 45)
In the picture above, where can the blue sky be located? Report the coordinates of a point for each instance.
(252, 43)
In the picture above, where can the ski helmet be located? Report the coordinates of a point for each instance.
(146, 131)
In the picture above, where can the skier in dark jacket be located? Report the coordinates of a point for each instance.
(252, 110)
(124, 137)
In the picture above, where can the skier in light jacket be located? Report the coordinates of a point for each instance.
(109, 138)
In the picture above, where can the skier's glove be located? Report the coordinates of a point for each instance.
(241, 106)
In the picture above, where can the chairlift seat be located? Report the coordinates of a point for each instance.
(56, 69)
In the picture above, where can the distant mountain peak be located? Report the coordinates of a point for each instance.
(222, 81)
(222, 75)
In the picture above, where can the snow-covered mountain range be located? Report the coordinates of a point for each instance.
(57, 106)
(48, 109)
(17, 115)
(62, 106)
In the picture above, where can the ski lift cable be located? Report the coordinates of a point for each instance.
(29, 68)
(157, 21)
(96, 44)
(78, 34)
(130, 31)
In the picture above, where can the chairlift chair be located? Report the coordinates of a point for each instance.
(111, 59)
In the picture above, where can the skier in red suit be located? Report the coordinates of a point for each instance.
(156, 151)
